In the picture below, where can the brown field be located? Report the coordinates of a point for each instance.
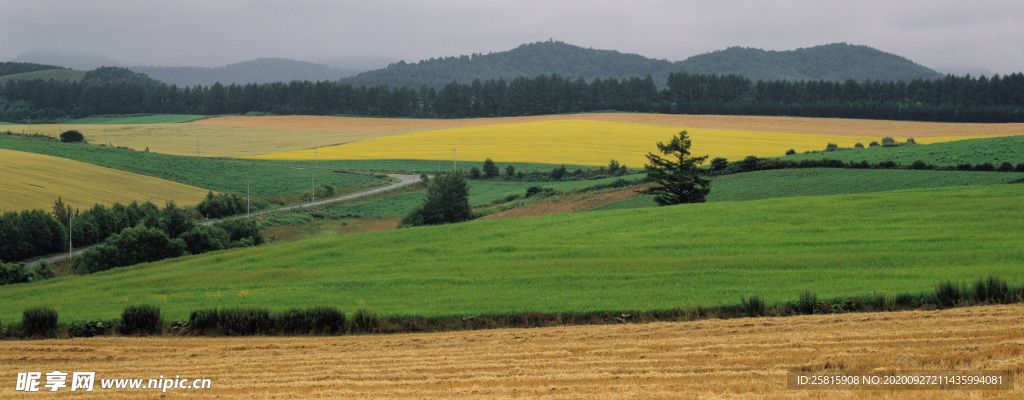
(736, 359)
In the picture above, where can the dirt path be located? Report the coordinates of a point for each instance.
(737, 359)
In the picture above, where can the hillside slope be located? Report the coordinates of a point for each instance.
(263, 70)
(831, 62)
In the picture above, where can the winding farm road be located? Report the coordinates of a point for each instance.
(403, 180)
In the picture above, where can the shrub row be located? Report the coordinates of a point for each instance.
(721, 166)
(239, 321)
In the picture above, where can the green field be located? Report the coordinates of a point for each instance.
(481, 193)
(418, 166)
(828, 181)
(55, 74)
(647, 259)
(972, 151)
(136, 119)
(219, 175)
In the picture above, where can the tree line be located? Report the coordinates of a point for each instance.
(129, 234)
(950, 99)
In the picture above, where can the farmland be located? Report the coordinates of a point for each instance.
(828, 181)
(738, 358)
(973, 151)
(890, 242)
(213, 174)
(569, 141)
(35, 181)
(249, 136)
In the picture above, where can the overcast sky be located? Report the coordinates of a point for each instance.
(948, 35)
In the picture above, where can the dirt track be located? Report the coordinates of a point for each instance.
(741, 358)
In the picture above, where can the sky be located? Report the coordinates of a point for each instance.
(948, 35)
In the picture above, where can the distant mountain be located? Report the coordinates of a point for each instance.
(551, 57)
(831, 62)
(836, 62)
(263, 70)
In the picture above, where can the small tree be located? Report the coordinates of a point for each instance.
(474, 173)
(490, 169)
(510, 171)
(447, 201)
(718, 165)
(558, 173)
(72, 136)
(676, 175)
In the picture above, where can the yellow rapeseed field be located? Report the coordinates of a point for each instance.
(583, 142)
(246, 136)
(34, 181)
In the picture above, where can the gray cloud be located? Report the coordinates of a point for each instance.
(951, 35)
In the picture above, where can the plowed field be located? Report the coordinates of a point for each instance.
(740, 358)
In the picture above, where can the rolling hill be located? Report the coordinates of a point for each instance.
(838, 61)
(263, 70)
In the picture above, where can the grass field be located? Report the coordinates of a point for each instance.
(659, 258)
(35, 181)
(827, 181)
(481, 193)
(974, 151)
(712, 359)
(219, 175)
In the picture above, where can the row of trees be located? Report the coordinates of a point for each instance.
(951, 99)
(132, 233)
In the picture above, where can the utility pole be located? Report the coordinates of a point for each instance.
(29, 117)
(312, 184)
(316, 156)
(70, 248)
(455, 164)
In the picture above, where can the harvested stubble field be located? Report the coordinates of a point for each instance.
(735, 359)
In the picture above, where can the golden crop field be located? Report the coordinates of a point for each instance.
(246, 136)
(34, 181)
(745, 358)
(583, 142)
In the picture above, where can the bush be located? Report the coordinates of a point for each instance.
(447, 201)
(13, 273)
(319, 319)
(918, 164)
(557, 173)
(204, 320)
(43, 271)
(1020, 167)
(985, 167)
(831, 147)
(947, 294)
(790, 152)
(992, 290)
(1006, 166)
(490, 169)
(238, 321)
(753, 305)
(72, 136)
(510, 170)
(873, 144)
(88, 329)
(808, 301)
(720, 164)
(142, 318)
(474, 173)
(364, 319)
(887, 164)
(859, 145)
(889, 142)
(38, 321)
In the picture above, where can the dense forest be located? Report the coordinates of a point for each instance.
(263, 70)
(119, 91)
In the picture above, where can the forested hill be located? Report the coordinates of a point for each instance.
(263, 70)
(529, 60)
(837, 62)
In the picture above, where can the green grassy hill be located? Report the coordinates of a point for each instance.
(55, 74)
(828, 181)
(655, 258)
(972, 151)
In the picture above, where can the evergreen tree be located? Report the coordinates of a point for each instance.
(678, 180)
